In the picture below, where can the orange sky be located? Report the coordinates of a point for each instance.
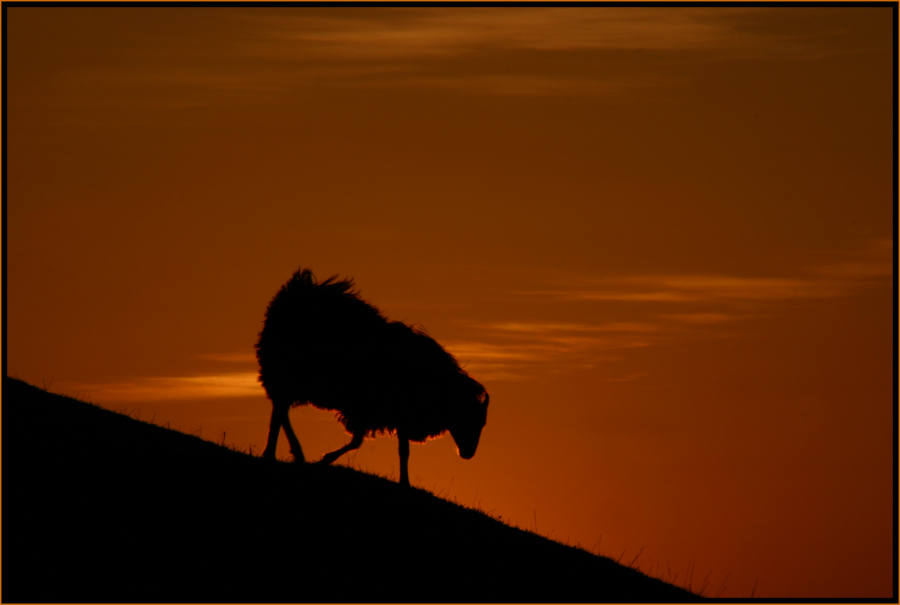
(662, 238)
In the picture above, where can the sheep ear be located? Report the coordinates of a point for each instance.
(487, 398)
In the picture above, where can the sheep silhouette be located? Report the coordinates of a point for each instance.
(321, 344)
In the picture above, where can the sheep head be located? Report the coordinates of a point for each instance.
(466, 426)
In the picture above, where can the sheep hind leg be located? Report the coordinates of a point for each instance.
(354, 444)
(274, 430)
(296, 450)
(404, 459)
(280, 420)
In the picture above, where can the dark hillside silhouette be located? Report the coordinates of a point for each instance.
(98, 507)
(322, 344)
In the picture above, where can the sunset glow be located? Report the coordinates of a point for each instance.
(238, 384)
(662, 238)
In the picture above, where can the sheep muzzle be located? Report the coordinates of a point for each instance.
(467, 430)
(466, 443)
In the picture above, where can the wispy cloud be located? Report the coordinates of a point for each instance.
(225, 375)
(829, 280)
(556, 50)
(545, 328)
(242, 358)
(694, 288)
(246, 56)
(517, 350)
(413, 32)
(683, 306)
(208, 386)
(699, 318)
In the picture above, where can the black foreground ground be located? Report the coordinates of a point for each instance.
(99, 507)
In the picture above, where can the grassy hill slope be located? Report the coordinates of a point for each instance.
(100, 507)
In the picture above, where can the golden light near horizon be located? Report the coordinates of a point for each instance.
(661, 237)
(235, 384)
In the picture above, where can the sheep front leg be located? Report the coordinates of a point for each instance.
(404, 458)
(354, 444)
